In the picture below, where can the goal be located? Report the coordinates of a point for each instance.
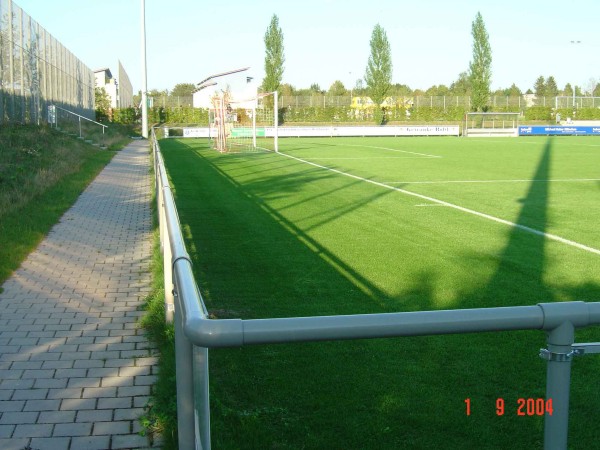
(480, 124)
(244, 125)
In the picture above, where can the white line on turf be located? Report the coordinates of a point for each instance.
(425, 155)
(555, 180)
(527, 229)
(373, 157)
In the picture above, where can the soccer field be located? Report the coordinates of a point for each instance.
(368, 225)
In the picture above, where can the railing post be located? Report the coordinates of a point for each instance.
(202, 396)
(558, 380)
(186, 427)
(167, 262)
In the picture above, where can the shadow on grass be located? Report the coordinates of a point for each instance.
(254, 261)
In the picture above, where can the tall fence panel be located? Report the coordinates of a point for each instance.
(36, 70)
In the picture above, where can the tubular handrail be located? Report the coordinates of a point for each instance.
(195, 333)
(81, 117)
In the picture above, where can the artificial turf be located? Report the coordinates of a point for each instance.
(333, 226)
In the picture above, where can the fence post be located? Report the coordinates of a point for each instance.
(202, 396)
(558, 380)
(186, 426)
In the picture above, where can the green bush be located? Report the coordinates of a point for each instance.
(538, 113)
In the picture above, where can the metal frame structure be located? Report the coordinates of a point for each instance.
(505, 127)
(36, 71)
(195, 333)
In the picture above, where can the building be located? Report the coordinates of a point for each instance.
(119, 89)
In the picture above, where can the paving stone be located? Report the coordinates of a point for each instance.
(95, 415)
(33, 430)
(50, 443)
(129, 441)
(75, 369)
(73, 429)
(91, 442)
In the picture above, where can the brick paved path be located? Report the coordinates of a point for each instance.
(75, 369)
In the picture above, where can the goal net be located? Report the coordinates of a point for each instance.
(244, 125)
(491, 124)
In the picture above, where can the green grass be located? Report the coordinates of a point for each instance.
(273, 236)
(42, 172)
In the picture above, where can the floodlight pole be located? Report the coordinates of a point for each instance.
(144, 76)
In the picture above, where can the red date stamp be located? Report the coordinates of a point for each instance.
(524, 407)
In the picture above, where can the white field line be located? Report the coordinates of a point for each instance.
(527, 229)
(375, 157)
(554, 180)
(424, 155)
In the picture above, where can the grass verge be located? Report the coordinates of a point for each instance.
(42, 172)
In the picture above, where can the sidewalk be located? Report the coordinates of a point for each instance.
(75, 370)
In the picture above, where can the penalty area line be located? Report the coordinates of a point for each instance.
(550, 236)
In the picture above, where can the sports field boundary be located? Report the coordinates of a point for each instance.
(196, 333)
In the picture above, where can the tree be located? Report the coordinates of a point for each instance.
(551, 87)
(337, 89)
(596, 91)
(462, 86)
(183, 90)
(316, 89)
(480, 68)
(540, 87)
(513, 91)
(378, 76)
(437, 91)
(401, 90)
(102, 102)
(274, 57)
(287, 89)
(568, 90)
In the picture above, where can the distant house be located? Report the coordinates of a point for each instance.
(118, 89)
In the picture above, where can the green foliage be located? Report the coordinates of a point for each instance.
(568, 90)
(580, 113)
(274, 56)
(178, 115)
(42, 172)
(551, 89)
(161, 414)
(102, 102)
(540, 87)
(480, 68)
(337, 88)
(125, 116)
(183, 90)
(538, 113)
(378, 75)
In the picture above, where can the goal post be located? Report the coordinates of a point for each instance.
(244, 125)
(481, 124)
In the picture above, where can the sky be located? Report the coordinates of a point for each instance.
(328, 40)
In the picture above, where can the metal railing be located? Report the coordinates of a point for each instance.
(62, 118)
(195, 333)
